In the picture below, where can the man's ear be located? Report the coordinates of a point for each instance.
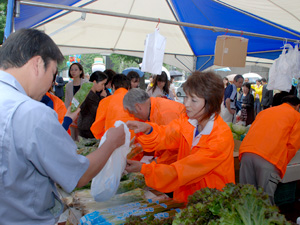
(37, 64)
(138, 107)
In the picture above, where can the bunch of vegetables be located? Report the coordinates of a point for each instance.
(140, 212)
(86, 145)
(80, 95)
(238, 130)
(236, 204)
(131, 181)
(151, 213)
(150, 220)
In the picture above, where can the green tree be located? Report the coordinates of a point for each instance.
(3, 8)
(122, 62)
(63, 66)
(87, 61)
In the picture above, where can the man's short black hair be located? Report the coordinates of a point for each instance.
(237, 77)
(120, 80)
(291, 99)
(24, 44)
(263, 80)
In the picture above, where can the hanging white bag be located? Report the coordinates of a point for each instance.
(284, 81)
(294, 62)
(154, 53)
(280, 73)
(105, 184)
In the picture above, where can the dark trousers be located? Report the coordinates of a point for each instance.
(259, 172)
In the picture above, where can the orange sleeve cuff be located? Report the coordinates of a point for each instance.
(144, 169)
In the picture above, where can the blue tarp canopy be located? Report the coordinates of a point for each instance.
(121, 26)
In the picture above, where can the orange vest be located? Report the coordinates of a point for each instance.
(110, 109)
(274, 135)
(163, 111)
(208, 164)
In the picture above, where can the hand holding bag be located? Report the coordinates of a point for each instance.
(106, 182)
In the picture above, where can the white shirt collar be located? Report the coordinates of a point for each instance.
(208, 127)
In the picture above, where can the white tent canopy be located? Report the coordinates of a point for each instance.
(121, 26)
(108, 34)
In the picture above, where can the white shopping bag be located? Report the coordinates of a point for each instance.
(284, 69)
(154, 53)
(105, 184)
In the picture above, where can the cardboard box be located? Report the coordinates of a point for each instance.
(230, 51)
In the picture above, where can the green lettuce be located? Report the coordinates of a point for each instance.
(235, 204)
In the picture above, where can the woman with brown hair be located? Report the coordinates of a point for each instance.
(160, 87)
(247, 111)
(76, 72)
(204, 142)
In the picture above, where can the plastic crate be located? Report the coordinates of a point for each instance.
(285, 193)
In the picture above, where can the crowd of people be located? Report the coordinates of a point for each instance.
(243, 100)
(191, 145)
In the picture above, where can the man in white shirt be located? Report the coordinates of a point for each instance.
(229, 111)
(35, 150)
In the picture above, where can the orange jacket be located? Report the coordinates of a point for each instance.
(274, 135)
(110, 110)
(163, 111)
(59, 107)
(208, 164)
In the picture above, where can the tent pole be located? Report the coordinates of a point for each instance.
(194, 63)
(156, 20)
(182, 63)
(9, 19)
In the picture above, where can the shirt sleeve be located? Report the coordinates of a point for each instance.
(162, 137)
(228, 91)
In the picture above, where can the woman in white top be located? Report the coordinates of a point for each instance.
(76, 72)
(160, 87)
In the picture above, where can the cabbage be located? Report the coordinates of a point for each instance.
(239, 129)
(230, 125)
(236, 136)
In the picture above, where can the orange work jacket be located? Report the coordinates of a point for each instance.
(163, 111)
(110, 109)
(59, 107)
(210, 163)
(274, 135)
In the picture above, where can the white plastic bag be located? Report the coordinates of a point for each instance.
(106, 182)
(284, 69)
(154, 53)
